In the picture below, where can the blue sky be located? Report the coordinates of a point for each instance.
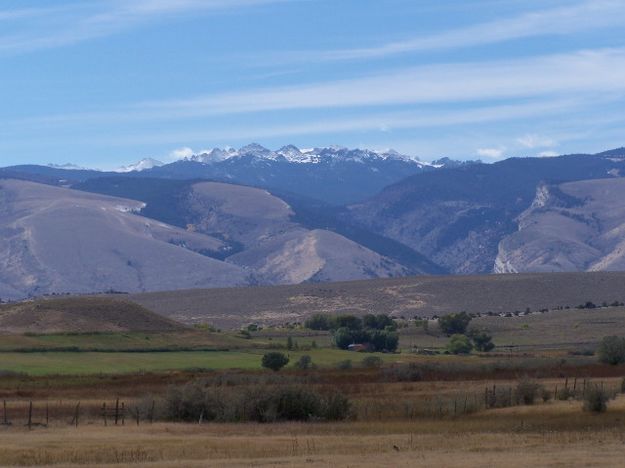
(102, 83)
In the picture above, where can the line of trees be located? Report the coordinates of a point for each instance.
(377, 332)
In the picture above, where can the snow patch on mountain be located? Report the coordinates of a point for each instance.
(144, 164)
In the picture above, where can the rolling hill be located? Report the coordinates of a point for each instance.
(81, 315)
(58, 240)
(422, 296)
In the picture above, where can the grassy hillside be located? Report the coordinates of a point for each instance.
(81, 315)
(414, 296)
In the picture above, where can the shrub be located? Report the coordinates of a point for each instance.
(336, 407)
(527, 391)
(546, 395)
(372, 362)
(565, 394)
(304, 362)
(596, 399)
(404, 373)
(196, 402)
(274, 360)
(459, 344)
(454, 323)
(612, 350)
(344, 365)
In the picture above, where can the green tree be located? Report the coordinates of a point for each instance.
(274, 360)
(452, 324)
(459, 344)
(482, 340)
(612, 350)
(320, 322)
(378, 322)
(343, 338)
(350, 322)
(289, 343)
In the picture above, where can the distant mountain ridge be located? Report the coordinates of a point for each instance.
(458, 217)
(346, 214)
(334, 174)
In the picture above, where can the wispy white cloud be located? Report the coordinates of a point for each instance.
(376, 122)
(591, 74)
(90, 20)
(548, 154)
(536, 141)
(180, 153)
(582, 16)
(491, 153)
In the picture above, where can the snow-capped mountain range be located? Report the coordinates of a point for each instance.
(293, 154)
(333, 174)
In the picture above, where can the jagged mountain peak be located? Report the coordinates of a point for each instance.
(292, 154)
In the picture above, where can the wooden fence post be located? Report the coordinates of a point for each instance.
(30, 415)
(104, 414)
(123, 413)
(77, 413)
(5, 421)
(152, 412)
(47, 414)
(116, 411)
(137, 410)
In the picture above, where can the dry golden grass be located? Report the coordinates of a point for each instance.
(553, 434)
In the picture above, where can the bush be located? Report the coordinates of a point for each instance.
(459, 344)
(546, 395)
(304, 362)
(565, 394)
(612, 350)
(596, 399)
(372, 362)
(274, 361)
(404, 373)
(195, 402)
(452, 324)
(527, 391)
(482, 340)
(344, 365)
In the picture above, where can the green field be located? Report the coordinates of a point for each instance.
(82, 363)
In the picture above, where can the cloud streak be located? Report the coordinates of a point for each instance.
(593, 75)
(584, 16)
(88, 20)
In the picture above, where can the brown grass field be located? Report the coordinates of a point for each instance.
(546, 434)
